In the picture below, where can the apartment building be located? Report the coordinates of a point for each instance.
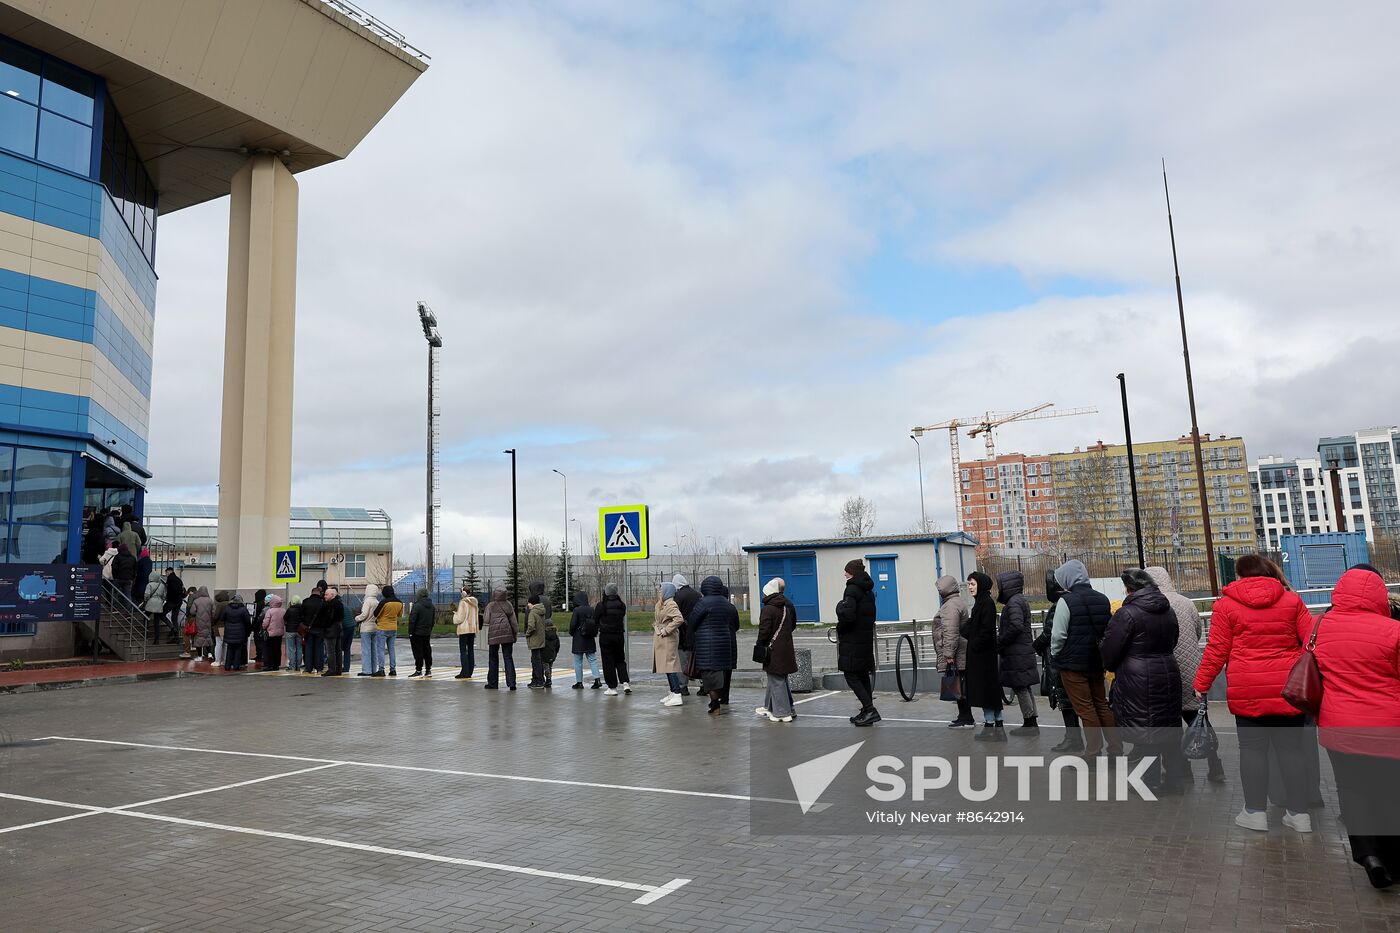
(1290, 497)
(1009, 503)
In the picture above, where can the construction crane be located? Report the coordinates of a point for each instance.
(984, 424)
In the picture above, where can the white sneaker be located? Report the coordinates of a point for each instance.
(610, 692)
(772, 718)
(626, 688)
(184, 656)
(218, 663)
(760, 711)
(1258, 821)
(672, 699)
(1298, 822)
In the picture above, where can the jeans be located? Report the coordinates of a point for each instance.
(675, 682)
(219, 652)
(422, 651)
(778, 699)
(466, 652)
(369, 652)
(497, 652)
(293, 641)
(1285, 734)
(312, 654)
(1086, 692)
(347, 641)
(592, 657)
(331, 637)
(387, 641)
(272, 654)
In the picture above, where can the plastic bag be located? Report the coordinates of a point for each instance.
(1200, 741)
(950, 686)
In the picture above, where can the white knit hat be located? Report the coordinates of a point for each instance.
(774, 585)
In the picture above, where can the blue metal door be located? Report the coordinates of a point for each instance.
(799, 572)
(886, 589)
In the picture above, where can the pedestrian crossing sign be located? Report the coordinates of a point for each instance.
(286, 564)
(622, 532)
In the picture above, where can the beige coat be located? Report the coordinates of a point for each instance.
(467, 618)
(666, 638)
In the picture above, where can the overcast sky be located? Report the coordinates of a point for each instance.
(720, 257)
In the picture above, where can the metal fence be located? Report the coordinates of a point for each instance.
(1188, 568)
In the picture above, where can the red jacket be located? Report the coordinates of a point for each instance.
(1358, 653)
(1255, 628)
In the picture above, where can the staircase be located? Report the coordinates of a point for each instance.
(125, 629)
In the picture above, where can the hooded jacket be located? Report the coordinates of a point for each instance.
(1358, 654)
(422, 616)
(154, 598)
(275, 618)
(1138, 649)
(947, 624)
(202, 609)
(855, 626)
(369, 609)
(582, 627)
(983, 654)
(500, 619)
(713, 625)
(537, 589)
(1257, 627)
(534, 624)
(237, 620)
(124, 569)
(130, 538)
(1014, 638)
(686, 598)
(1081, 618)
(467, 616)
(386, 617)
(174, 590)
(1189, 628)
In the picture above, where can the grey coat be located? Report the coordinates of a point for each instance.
(947, 624)
(1188, 643)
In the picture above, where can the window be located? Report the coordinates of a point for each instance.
(354, 566)
(49, 117)
(34, 494)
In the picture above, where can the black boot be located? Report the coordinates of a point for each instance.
(596, 684)
(1376, 872)
(1029, 727)
(867, 717)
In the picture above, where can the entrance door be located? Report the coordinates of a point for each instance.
(799, 573)
(886, 589)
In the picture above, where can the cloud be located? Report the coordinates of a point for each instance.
(640, 236)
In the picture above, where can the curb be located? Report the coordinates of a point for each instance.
(15, 689)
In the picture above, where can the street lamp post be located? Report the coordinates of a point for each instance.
(923, 514)
(566, 532)
(1132, 469)
(514, 573)
(428, 320)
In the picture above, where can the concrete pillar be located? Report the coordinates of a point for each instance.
(255, 452)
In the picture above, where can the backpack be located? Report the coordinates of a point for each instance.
(551, 642)
(588, 625)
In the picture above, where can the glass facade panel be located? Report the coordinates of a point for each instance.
(19, 73)
(18, 125)
(41, 489)
(64, 143)
(38, 544)
(68, 91)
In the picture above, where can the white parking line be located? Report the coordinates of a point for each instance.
(713, 795)
(820, 696)
(650, 892)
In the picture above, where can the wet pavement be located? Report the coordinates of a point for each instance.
(284, 803)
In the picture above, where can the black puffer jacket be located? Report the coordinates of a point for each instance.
(422, 616)
(713, 626)
(1014, 640)
(1139, 650)
(611, 617)
(238, 622)
(855, 626)
(582, 627)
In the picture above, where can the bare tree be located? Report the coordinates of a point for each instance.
(536, 560)
(858, 517)
(1089, 519)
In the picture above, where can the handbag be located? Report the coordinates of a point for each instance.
(950, 686)
(1303, 688)
(692, 667)
(190, 628)
(763, 653)
(1200, 741)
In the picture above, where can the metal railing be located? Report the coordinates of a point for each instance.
(122, 625)
(378, 27)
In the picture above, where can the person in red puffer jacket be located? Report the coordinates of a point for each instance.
(1257, 627)
(1358, 655)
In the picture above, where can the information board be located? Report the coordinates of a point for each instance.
(50, 592)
